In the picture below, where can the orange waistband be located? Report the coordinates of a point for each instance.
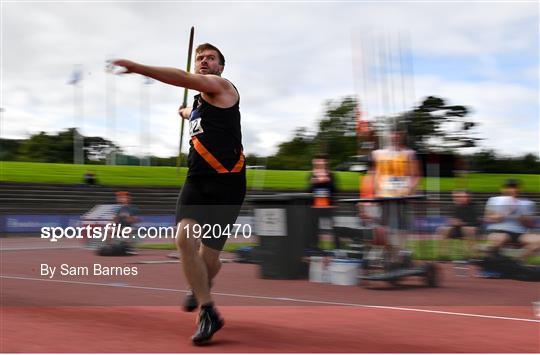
(211, 159)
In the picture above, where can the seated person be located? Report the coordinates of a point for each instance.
(510, 219)
(90, 178)
(463, 224)
(126, 216)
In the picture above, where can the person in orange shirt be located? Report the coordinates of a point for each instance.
(322, 186)
(396, 168)
(396, 175)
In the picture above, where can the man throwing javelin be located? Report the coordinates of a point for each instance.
(216, 181)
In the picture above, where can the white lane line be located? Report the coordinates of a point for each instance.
(287, 299)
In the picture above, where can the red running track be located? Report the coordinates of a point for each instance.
(140, 314)
(260, 330)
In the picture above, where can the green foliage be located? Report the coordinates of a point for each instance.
(253, 159)
(170, 161)
(295, 154)
(487, 161)
(335, 136)
(434, 125)
(43, 147)
(337, 131)
(55, 148)
(9, 148)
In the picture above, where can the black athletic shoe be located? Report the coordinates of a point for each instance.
(209, 323)
(190, 302)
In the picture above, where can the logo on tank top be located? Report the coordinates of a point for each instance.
(195, 126)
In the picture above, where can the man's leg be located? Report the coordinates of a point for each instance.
(211, 260)
(193, 265)
(197, 273)
(444, 234)
(496, 240)
(531, 244)
(470, 240)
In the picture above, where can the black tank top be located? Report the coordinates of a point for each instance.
(219, 132)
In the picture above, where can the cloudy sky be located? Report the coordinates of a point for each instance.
(286, 59)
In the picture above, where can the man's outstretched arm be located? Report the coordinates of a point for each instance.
(211, 84)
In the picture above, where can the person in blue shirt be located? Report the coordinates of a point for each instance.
(511, 219)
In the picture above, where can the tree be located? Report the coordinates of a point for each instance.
(434, 125)
(9, 148)
(43, 147)
(254, 159)
(170, 161)
(58, 148)
(96, 149)
(337, 131)
(487, 161)
(295, 154)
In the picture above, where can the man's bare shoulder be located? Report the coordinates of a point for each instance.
(224, 98)
(230, 86)
(216, 80)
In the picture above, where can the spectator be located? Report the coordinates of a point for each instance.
(463, 224)
(510, 220)
(397, 175)
(323, 188)
(90, 178)
(126, 216)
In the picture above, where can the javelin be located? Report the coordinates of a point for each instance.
(184, 102)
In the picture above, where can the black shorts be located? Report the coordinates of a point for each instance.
(456, 232)
(212, 200)
(514, 237)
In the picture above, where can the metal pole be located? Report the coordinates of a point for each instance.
(75, 121)
(78, 156)
(80, 142)
(402, 72)
(111, 111)
(144, 124)
(148, 138)
(184, 101)
(384, 89)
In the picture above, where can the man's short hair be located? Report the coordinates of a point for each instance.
(512, 183)
(208, 46)
(321, 156)
(461, 191)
